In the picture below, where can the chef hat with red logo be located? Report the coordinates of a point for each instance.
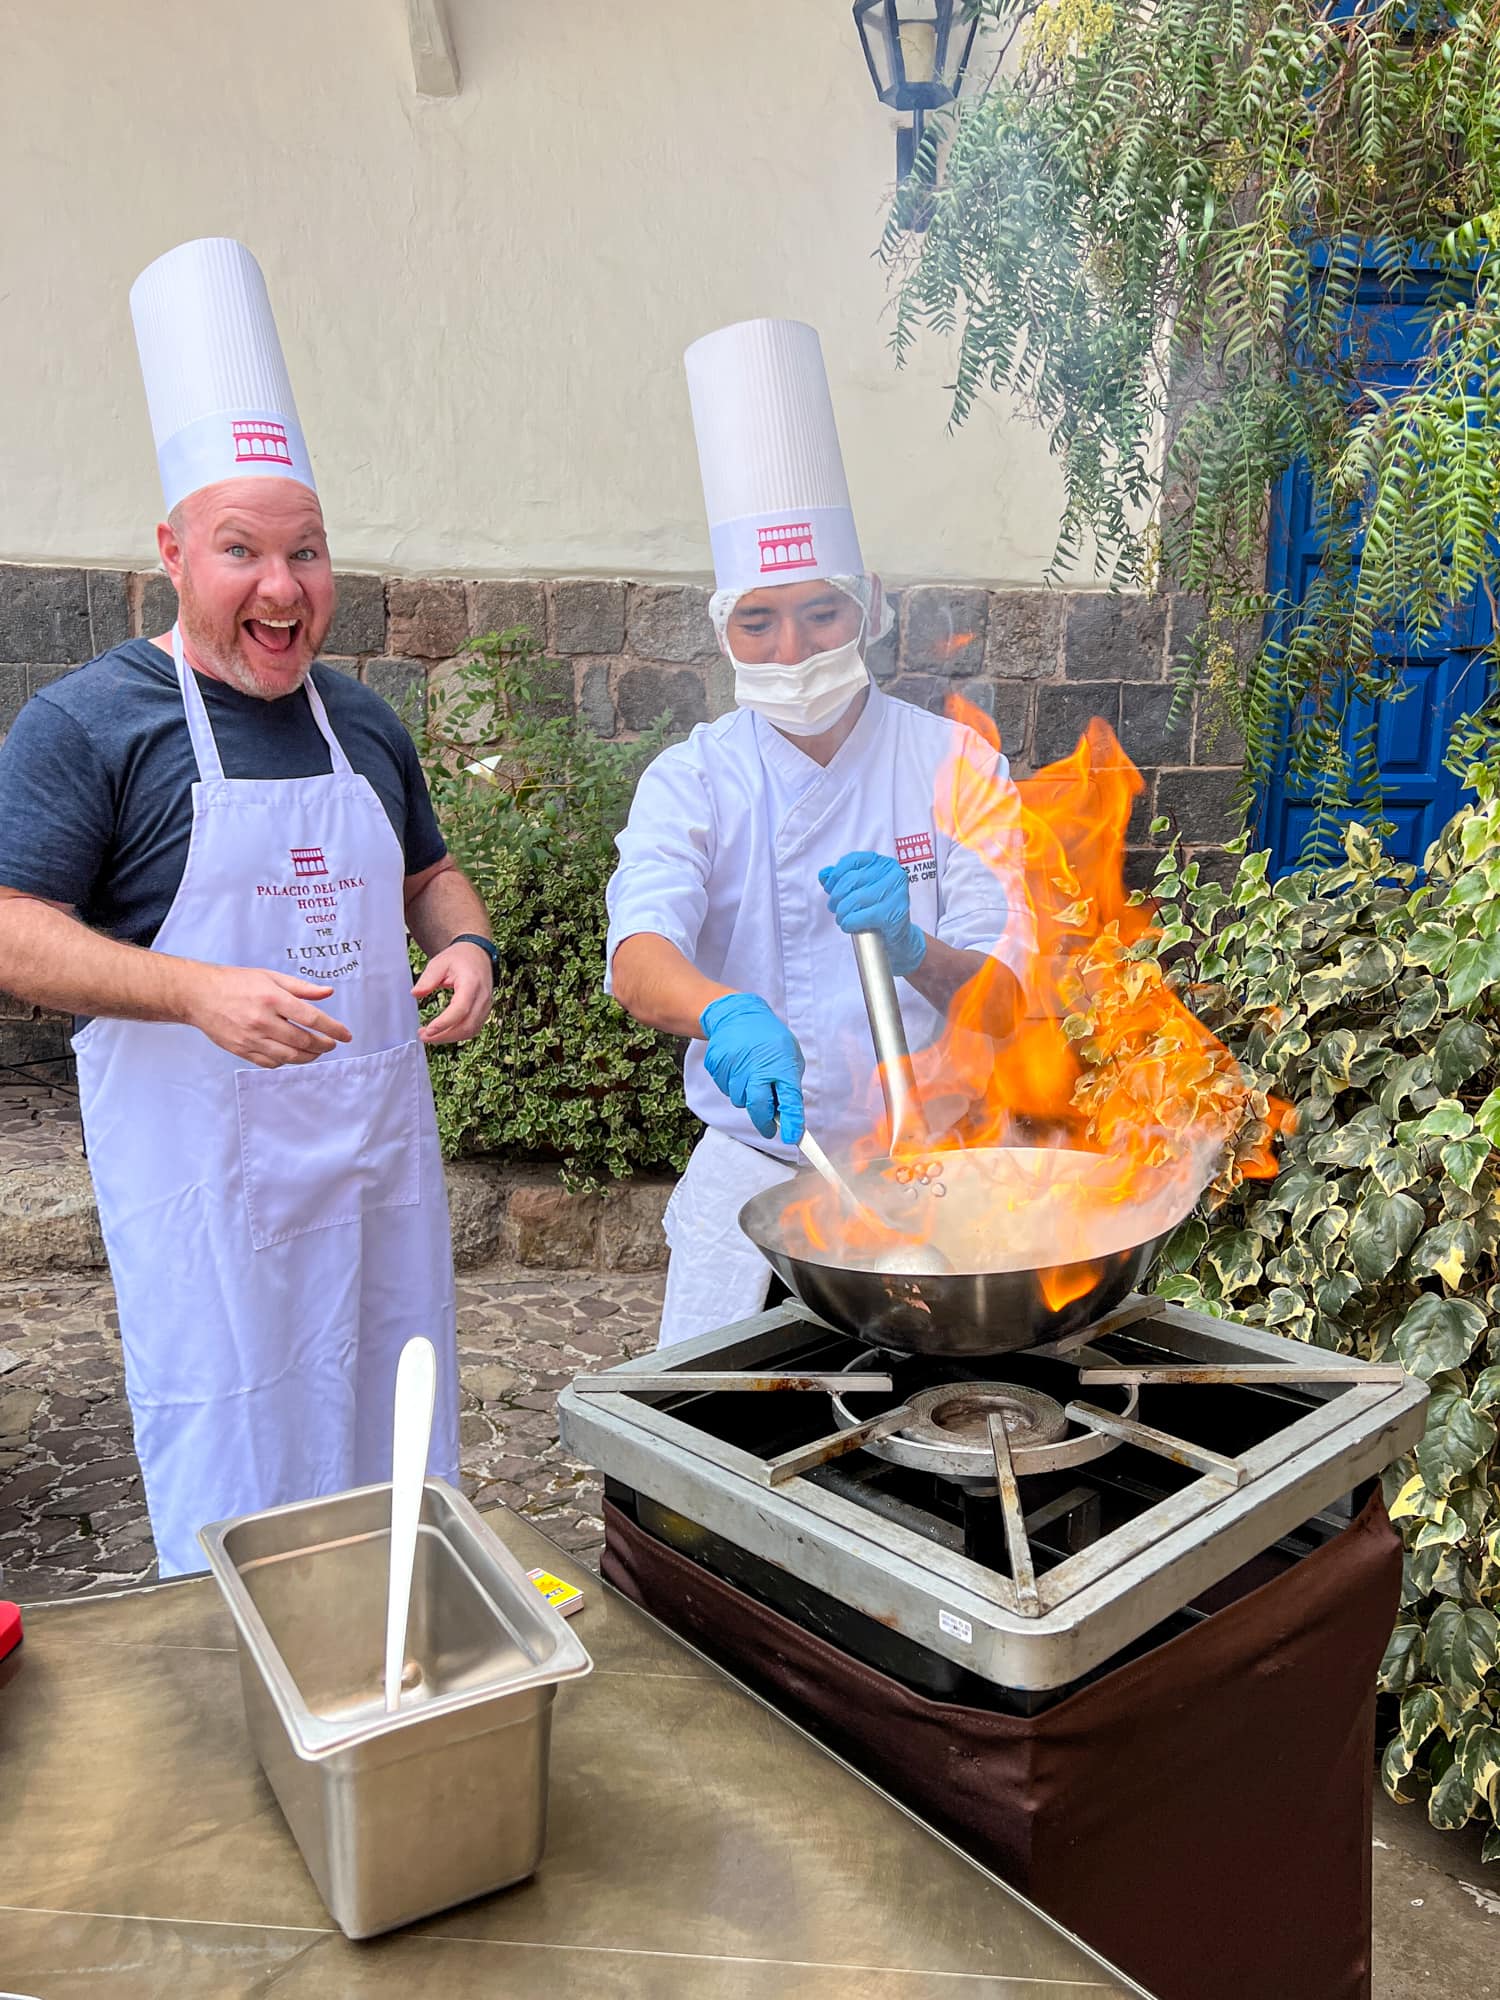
(768, 449)
(773, 474)
(216, 384)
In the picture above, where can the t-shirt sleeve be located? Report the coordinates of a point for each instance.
(424, 844)
(56, 806)
(984, 906)
(666, 852)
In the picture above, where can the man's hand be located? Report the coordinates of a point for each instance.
(869, 892)
(265, 1017)
(753, 1057)
(464, 970)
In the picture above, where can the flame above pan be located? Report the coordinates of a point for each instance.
(1105, 1068)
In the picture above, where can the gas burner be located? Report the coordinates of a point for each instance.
(945, 1430)
(960, 1412)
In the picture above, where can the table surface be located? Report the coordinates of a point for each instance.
(699, 1847)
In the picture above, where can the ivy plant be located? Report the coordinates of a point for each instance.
(529, 799)
(1367, 998)
(1155, 227)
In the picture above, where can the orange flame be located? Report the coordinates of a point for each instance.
(1062, 1283)
(1106, 1052)
(1098, 1056)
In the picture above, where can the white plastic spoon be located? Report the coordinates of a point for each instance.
(911, 1259)
(416, 1388)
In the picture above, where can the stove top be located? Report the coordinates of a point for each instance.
(1026, 1518)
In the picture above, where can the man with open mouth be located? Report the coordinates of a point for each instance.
(213, 851)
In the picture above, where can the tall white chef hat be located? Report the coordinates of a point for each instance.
(216, 384)
(768, 449)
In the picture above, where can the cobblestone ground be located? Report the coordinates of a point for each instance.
(36, 1123)
(72, 1515)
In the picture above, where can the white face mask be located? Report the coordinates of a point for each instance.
(806, 699)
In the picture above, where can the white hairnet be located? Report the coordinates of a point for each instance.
(867, 591)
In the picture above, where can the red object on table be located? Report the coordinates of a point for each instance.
(10, 1628)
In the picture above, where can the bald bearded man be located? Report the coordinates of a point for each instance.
(213, 850)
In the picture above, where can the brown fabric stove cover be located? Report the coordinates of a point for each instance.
(1200, 1816)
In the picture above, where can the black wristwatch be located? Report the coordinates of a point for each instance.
(487, 946)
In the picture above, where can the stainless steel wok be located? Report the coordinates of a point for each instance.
(992, 1301)
(987, 1223)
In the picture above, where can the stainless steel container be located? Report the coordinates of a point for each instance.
(397, 1816)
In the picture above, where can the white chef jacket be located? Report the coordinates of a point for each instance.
(721, 855)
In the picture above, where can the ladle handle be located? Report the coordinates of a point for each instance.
(816, 1158)
(888, 1033)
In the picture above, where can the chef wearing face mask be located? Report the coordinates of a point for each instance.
(755, 847)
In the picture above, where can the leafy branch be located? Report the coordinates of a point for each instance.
(1176, 233)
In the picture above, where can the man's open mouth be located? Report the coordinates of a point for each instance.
(274, 635)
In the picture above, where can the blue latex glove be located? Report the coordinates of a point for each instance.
(869, 892)
(754, 1059)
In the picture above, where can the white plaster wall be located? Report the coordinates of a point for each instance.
(484, 299)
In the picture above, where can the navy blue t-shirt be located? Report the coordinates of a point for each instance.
(96, 779)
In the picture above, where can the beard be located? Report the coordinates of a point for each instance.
(219, 647)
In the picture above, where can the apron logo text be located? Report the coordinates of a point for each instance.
(333, 884)
(317, 898)
(337, 956)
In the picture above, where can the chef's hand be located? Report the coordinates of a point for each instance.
(465, 971)
(869, 892)
(754, 1059)
(265, 1017)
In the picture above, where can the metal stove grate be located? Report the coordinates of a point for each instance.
(1026, 1545)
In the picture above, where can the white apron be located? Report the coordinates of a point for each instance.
(275, 1236)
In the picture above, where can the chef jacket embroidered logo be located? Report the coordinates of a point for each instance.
(789, 546)
(308, 861)
(914, 852)
(258, 441)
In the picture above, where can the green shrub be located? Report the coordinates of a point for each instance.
(1368, 998)
(560, 1073)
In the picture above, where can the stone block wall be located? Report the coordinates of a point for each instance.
(31, 1038)
(1041, 663)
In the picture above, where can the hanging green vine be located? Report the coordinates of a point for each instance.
(1171, 230)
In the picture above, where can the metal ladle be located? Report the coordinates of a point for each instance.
(912, 1257)
(922, 1260)
(819, 1161)
(888, 1032)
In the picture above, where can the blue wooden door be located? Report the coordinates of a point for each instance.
(1442, 679)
